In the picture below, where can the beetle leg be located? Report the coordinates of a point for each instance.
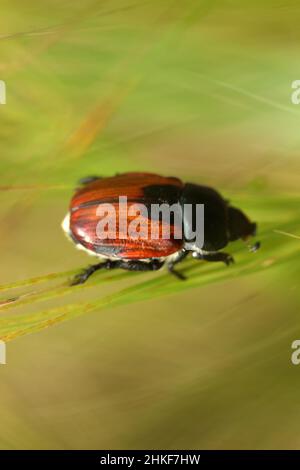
(181, 255)
(86, 273)
(214, 256)
(88, 179)
(136, 265)
(131, 265)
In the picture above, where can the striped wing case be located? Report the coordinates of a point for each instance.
(138, 188)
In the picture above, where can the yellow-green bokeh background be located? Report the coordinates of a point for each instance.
(197, 89)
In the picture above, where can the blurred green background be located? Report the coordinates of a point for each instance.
(195, 89)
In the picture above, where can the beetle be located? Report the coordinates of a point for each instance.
(223, 223)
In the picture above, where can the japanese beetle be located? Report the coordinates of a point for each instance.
(223, 223)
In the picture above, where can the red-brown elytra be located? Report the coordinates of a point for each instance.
(223, 223)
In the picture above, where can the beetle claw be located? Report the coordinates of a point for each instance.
(229, 260)
(177, 274)
(79, 279)
(253, 248)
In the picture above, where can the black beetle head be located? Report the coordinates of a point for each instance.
(239, 225)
